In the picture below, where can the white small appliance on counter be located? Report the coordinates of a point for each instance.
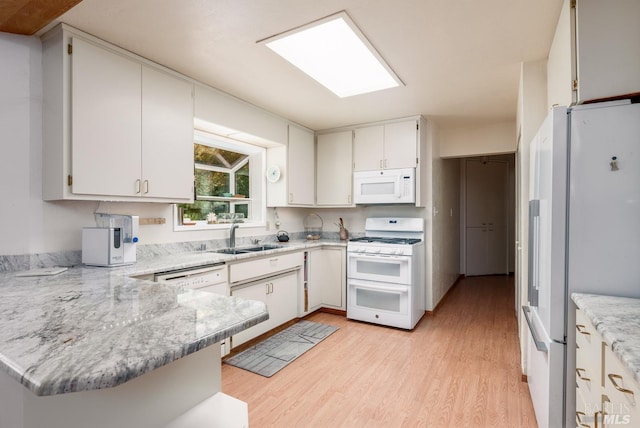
(385, 186)
(112, 242)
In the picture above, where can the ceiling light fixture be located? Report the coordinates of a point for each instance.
(334, 52)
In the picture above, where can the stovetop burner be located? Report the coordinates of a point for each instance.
(373, 239)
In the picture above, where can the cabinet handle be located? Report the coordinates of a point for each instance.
(271, 287)
(581, 330)
(595, 417)
(138, 182)
(578, 370)
(579, 416)
(381, 164)
(612, 378)
(146, 186)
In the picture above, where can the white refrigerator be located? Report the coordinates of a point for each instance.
(584, 236)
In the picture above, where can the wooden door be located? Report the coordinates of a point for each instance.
(486, 217)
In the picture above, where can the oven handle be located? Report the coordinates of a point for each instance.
(401, 289)
(382, 257)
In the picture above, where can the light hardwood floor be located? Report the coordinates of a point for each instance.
(459, 367)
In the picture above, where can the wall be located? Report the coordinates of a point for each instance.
(532, 108)
(446, 227)
(478, 139)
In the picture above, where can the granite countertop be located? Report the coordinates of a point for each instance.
(617, 319)
(91, 328)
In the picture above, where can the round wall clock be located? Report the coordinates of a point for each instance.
(273, 173)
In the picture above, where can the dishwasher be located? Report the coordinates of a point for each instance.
(210, 278)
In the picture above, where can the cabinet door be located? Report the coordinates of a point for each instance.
(400, 144)
(301, 166)
(105, 121)
(368, 148)
(333, 287)
(279, 293)
(607, 57)
(334, 169)
(486, 217)
(167, 136)
(256, 291)
(283, 298)
(476, 251)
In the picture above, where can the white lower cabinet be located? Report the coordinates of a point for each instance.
(325, 281)
(605, 389)
(280, 295)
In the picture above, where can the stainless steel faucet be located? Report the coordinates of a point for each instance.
(232, 235)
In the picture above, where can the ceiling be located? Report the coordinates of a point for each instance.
(459, 59)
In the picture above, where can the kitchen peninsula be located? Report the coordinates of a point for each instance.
(95, 347)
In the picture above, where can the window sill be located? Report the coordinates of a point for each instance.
(202, 225)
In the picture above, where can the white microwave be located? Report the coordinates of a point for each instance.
(385, 186)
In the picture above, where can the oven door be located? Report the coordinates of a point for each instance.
(379, 268)
(380, 303)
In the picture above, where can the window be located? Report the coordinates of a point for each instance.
(229, 184)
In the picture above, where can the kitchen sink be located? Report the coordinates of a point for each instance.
(244, 250)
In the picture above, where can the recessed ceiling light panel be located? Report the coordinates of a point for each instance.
(335, 53)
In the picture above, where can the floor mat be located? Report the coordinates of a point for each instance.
(274, 353)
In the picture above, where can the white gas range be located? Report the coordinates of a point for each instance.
(385, 275)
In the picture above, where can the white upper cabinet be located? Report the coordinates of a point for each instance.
(368, 148)
(302, 166)
(392, 145)
(167, 135)
(401, 144)
(291, 170)
(334, 169)
(116, 127)
(594, 54)
(106, 122)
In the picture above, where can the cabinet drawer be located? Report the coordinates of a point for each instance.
(622, 391)
(586, 413)
(589, 364)
(587, 338)
(264, 266)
